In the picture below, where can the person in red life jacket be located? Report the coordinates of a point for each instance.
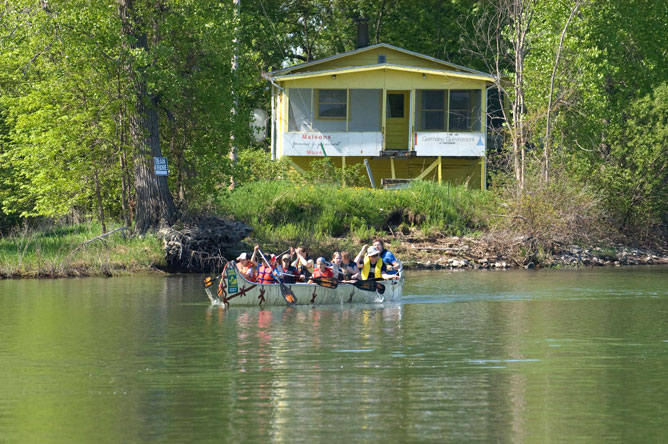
(286, 271)
(321, 270)
(246, 265)
(264, 273)
(372, 267)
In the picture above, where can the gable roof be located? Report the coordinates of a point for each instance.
(289, 69)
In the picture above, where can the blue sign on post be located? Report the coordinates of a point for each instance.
(160, 166)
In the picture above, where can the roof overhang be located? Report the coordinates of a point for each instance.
(384, 66)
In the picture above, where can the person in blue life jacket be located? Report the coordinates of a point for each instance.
(372, 267)
(393, 265)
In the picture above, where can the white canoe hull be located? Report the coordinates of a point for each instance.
(251, 293)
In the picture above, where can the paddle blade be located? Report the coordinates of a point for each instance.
(380, 288)
(327, 282)
(288, 295)
(369, 285)
(208, 281)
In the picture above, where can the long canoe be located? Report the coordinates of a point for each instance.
(234, 289)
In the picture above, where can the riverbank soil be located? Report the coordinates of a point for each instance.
(487, 253)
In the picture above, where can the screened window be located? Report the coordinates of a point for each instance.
(332, 103)
(365, 110)
(465, 110)
(299, 109)
(431, 109)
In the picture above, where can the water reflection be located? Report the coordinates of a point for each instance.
(500, 357)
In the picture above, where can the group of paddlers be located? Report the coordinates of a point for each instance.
(372, 262)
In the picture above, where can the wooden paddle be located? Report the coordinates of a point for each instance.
(287, 294)
(324, 281)
(369, 285)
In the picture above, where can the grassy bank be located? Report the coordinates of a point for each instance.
(52, 251)
(327, 217)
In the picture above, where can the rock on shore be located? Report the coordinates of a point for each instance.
(467, 252)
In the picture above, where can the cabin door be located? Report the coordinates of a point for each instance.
(396, 120)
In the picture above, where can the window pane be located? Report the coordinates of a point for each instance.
(365, 110)
(395, 105)
(465, 110)
(431, 105)
(299, 109)
(332, 95)
(332, 110)
(433, 120)
(332, 103)
(433, 99)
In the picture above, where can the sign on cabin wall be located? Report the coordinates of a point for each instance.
(450, 144)
(332, 144)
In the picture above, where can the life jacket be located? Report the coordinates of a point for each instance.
(327, 273)
(264, 275)
(244, 271)
(367, 266)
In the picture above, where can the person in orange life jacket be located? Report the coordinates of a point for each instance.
(303, 264)
(246, 265)
(336, 265)
(321, 270)
(287, 272)
(264, 273)
(387, 257)
(372, 267)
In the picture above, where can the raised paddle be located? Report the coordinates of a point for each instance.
(287, 294)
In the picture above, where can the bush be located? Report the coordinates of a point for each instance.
(288, 213)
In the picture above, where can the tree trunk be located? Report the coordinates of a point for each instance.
(155, 205)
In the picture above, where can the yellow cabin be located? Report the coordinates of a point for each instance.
(404, 114)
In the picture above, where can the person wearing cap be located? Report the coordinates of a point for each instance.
(321, 270)
(246, 265)
(388, 257)
(288, 273)
(372, 267)
(265, 271)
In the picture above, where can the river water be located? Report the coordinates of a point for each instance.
(475, 356)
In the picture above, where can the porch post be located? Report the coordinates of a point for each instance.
(440, 170)
(392, 167)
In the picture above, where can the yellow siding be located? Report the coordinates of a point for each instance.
(455, 170)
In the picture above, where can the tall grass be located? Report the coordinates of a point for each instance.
(58, 251)
(282, 212)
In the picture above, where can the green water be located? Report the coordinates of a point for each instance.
(515, 356)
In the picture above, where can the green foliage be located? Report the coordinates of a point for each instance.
(323, 171)
(635, 175)
(293, 213)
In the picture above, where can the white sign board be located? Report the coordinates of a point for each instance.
(332, 144)
(160, 166)
(450, 144)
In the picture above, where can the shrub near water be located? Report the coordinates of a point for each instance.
(58, 251)
(281, 212)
